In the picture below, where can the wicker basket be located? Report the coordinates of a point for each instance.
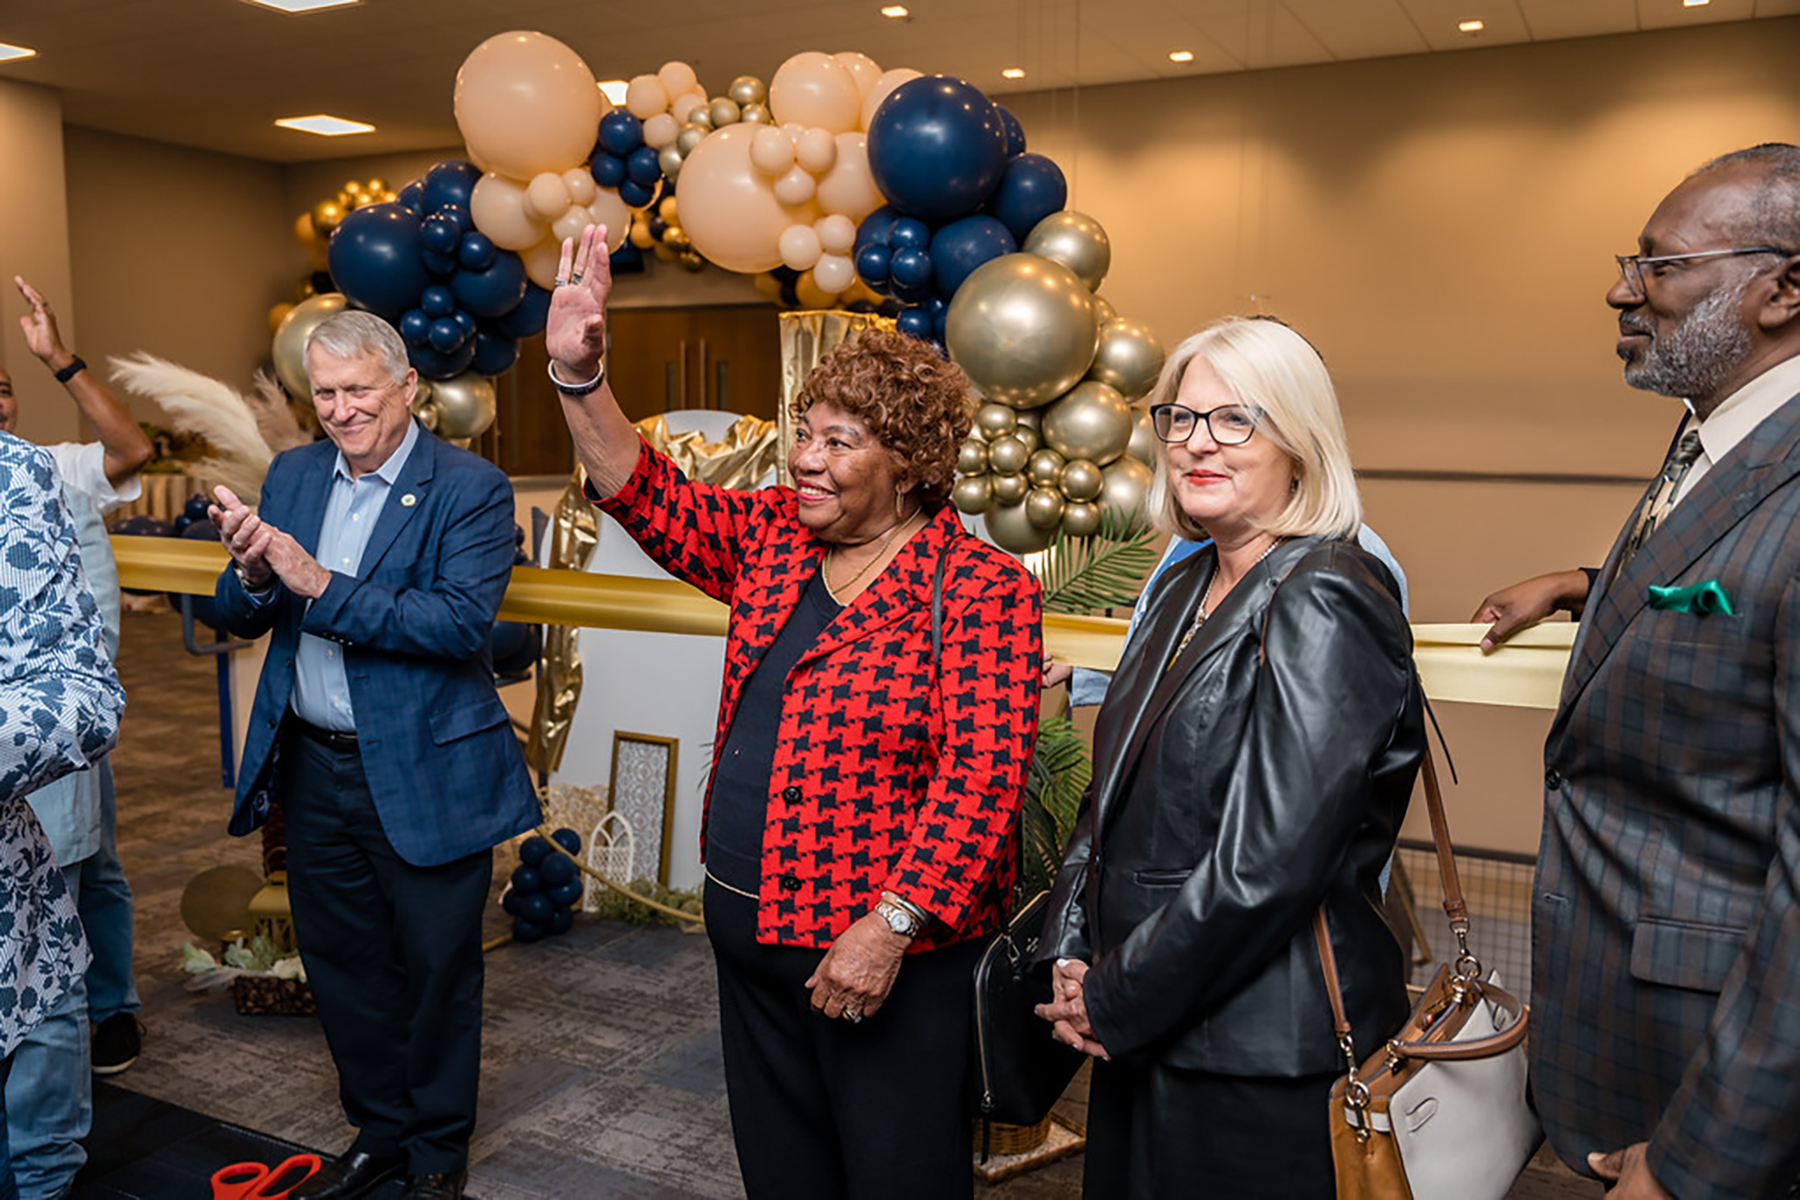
(1013, 1139)
(269, 996)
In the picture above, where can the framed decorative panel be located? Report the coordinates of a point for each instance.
(643, 792)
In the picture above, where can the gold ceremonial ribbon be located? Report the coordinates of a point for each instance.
(1524, 672)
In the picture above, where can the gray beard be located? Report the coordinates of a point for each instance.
(1699, 354)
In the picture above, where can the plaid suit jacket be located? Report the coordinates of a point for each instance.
(1665, 928)
(438, 748)
(885, 777)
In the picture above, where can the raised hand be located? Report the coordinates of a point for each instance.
(39, 327)
(575, 333)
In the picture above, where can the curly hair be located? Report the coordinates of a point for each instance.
(916, 404)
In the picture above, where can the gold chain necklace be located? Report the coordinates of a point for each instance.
(825, 571)
(1206, 597)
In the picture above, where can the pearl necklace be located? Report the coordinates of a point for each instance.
(1206, 598)
(825, 572)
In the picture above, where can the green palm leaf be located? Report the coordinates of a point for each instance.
(1105, 570)
(1058, 777)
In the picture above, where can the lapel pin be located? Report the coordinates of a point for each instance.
(408, 500)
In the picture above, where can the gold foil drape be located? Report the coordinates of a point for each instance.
(805, 337)
(749, 450)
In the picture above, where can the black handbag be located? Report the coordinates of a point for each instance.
(1018, 1071)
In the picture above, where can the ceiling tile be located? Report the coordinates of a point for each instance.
(1672, 14)
(1438, 19)
(1550, 20)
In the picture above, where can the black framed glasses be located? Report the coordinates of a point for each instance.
(1228, 424)
(1631, 266)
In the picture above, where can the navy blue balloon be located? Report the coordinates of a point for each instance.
(939, 322)
(415, 325)
(144, 525)
(565, 837)
(464, 322)
(565, 894)
(620, 132)
(528, 931)
(441, 265)
(937, 147)
(910, 293)
(529, 319)
(441, 232)
(476, 250)
(961, 246)
(914, 323)
(907, 234)
(374, 259)
(560, 921)
(510, 902)
(635, 194)
(557, 870)
(1032, 188)
(437, 301)
(195, 508)
(435, 364)
(872, 264)
(1015, 132)
(181, 525)
(526, 879)
(874, 228)
(643, 166)
(536, 907)
(449, 184)
(608, 170)
(910, 268)
(413, 196)
(658, 227)
(495, 353)
(446, 336)
(493, 292)
(534, 850)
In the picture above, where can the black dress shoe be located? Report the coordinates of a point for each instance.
(448, 1186)
(350, 1177)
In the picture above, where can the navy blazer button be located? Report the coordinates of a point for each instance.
(790, 883)
(791, 795)
(1552, 779)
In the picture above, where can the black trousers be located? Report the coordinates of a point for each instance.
(827, 1110)
(393, 953)
(1157, 1131)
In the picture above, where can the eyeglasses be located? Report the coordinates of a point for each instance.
(1631, 266)
(1228, 425)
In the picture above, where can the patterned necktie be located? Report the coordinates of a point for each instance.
(1662, 494)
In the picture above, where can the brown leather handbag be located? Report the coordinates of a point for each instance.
(1442, 1110)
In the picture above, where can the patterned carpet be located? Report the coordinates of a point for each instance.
(601, 1073)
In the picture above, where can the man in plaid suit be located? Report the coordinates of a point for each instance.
(1665, 922)
(376, 562)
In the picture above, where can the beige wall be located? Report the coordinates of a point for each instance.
(34, 242)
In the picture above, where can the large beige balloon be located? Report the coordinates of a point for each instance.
(1129, 358)
(541, 261)
(849, 187)
(1011, 528)
(888, 81)
(1092, 421)
(526, 103)
(465, 405)
(1125, 493)
(862, 68)
(1022, 328)
(289, 348)
(815, 90)
(728, 207)
(1076, 241)
(497, 206)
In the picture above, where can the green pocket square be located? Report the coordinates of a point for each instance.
(1701, 599)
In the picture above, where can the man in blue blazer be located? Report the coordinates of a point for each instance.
(377, 560)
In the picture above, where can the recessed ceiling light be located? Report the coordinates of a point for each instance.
(1183, 56)
(614, 90)
(895, 11)
(1695, 3)
(1470, 26)
(8, 52)
(302, 6)
(1013, 73)
(325, 126)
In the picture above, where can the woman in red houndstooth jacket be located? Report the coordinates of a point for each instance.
(867, 773)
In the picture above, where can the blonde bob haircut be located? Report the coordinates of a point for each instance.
(1267, 366)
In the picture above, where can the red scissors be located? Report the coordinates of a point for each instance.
(254, 1181)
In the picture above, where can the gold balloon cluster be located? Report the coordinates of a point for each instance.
(1059, 443)
(673, 245)
(674, 132)
(313, 229)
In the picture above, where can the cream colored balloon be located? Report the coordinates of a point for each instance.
(661, 130)
(862, 68)
(645, 96)
(573, 220)
(799, 247)
(837, 233)
(526, 103)
(796, 187)
(1011, 528)
(1076, 241)
(497, 206)
(814, 89)
(729, 208)
(849, 187)
(1129, 358)
(772, 151)
(582, 188)
(547, 197)
(541, 262)
(678, 78)
(289, 347)
(886, 83)
(1023, 329)
(610, 211)
(1125, 494)
(1090, 421)
(684, 106)
(816, 151)
(465, 405)
(834, 273)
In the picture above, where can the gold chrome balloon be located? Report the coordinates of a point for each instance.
(1092, 422)
(1044, 468)
(1080, 519)
(1081, 480)
(1107, 312)
(747, 90)
(973, 493)
(1030, 435)
(326, 214)
(972, 458)
(1145, 445)
(289, 348)
(1044, 507)
(1076, 241)
(689, 137)
(1008, 455)
(1125, 494)
(1012, 529)
(1023, 328)
(995, 420)
(756, 114)
(1010, 489)
(724, 112)
(1129, 358)
(465, 405)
